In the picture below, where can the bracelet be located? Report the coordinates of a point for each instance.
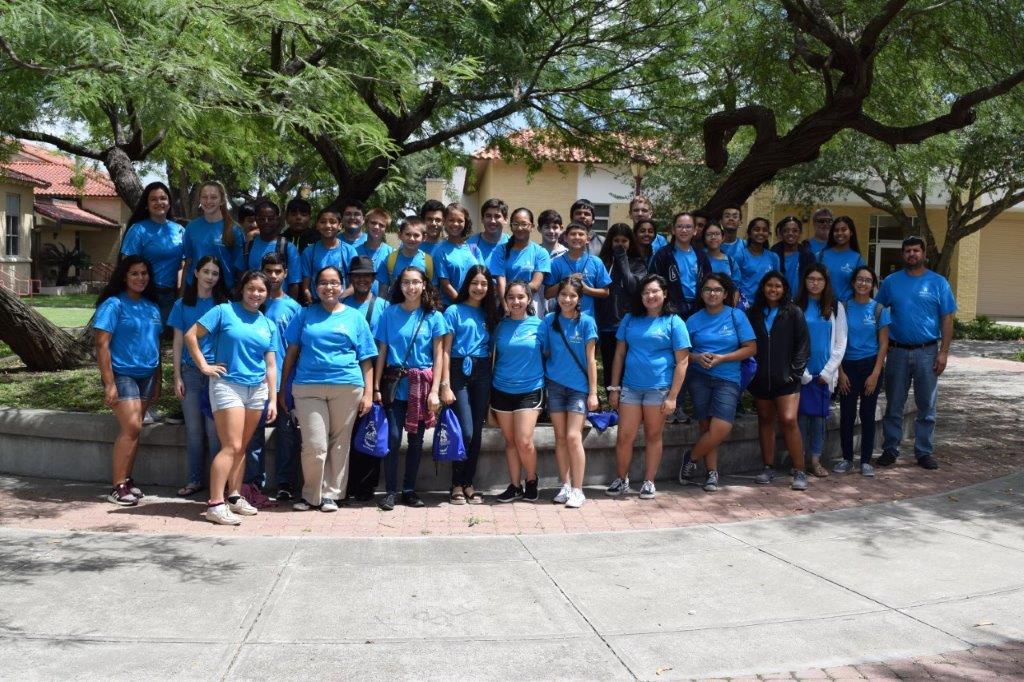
(609, 389)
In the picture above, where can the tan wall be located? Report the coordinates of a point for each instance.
(549, 187)
(25, 241)
(1000, 276)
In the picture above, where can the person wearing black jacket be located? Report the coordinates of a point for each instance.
(682, 284)
(621, 256)
(794, 256)
(783, 347)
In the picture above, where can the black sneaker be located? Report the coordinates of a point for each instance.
(176, 417)
(130, 482)
(887, 459)
(511, 494)
(928, 462)
(411, 499)
(387, 503)
(285, 493)
(531, 494)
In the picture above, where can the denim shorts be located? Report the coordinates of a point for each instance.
(227, 394)
(643, 396)
(130, 388)
(564, 399)
(713, 398)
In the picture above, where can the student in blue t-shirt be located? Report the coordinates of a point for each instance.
(243, 382)
(755, 260)
(523, 259)
(648, 241)
(720, 261)
(432, 216)
(128, 327)
(329, 250)
(454, 256)
(867, 343)
(270, 240)
(153, 234)
(721, 338)
(375, 247)
(682, 265)
(213, 233)
(579, 264)
(648, 372)
(409, 370)
(467, 377)
(206, 290)
(730, 222)
(842, 256)
(490, 239)
(517, 390)
(331, 349)
(409, 254)
(569, 339)
(922, 306)
(794, 256)
(352, 216)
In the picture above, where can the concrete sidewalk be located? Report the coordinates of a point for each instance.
(877, 583)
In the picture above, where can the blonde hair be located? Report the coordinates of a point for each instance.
(228, 236)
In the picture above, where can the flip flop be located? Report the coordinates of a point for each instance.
(189, 490)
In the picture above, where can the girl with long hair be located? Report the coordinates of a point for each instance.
(453, 257)
(213, 233)
(153, 234)
(521, 258)
(621, 257)
(754, 259)
(842, 256)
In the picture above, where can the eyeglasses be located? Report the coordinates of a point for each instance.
(411, 283)
(713, 290)
(822, 220)
(863, 280)
(520, 225)
(335, 284)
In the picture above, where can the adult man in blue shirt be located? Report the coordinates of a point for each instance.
(922, 306)
(821, 221)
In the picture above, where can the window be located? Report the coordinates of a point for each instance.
(885, 227)
(884, 252)
(12, 226)
(601, 215)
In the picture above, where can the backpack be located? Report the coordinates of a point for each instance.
(281, 247)
(392, 261)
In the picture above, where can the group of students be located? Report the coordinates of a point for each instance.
(326, 320)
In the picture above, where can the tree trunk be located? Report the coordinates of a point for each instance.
(40, 344)
(124, 176)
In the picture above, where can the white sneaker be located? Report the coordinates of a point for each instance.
(221, 515)
(151, 417)
(576, 498)
(647, 490)
(618, 487)
(562, 496)
(243, 508)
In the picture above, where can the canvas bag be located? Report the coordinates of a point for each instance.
(372, 433)
(448, 443)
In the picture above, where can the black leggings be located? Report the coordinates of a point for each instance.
(858, 372)
(607, 342)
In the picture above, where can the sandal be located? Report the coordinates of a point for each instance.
(190, 489)
(457, 496)
(472, 495)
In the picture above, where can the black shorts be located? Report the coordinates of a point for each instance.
(513, 402)
(777, 390)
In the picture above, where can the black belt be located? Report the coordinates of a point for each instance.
(913, 346)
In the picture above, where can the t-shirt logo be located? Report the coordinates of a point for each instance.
(726, 330)
(847, 267)
(923, 291)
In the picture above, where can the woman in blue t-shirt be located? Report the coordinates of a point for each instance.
(128, 326)
(521, 258)
(647, 373)
(569, 337)
(243, 382)
(213, 233)
(206, 290)
(331, 349)
(720, 338)
(454, 256)
(754, 259)
(867, 344)
(153, 234)
(408, 376)
(467, 377)
(841, 256)
(826, 327)
(517, 389)
(720, 260)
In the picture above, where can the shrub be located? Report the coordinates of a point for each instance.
(982, 328)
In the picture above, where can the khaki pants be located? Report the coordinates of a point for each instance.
(327, 413)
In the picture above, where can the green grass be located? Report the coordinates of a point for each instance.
(67, 317)
(65, 301)
(76, 390)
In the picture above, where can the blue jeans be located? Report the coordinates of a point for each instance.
(200, 431)
(903, 368)
(812, 431)
(472, 395)
(287, 461)
(858, 371)
(396, 427)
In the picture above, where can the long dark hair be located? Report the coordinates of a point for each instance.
(826, 304)
(616, 230)
(530, 310)
(578, 288)
(118, 280)
(141, 210)
(489, 305)
(728, 298)
(874, 277)
(511, 240)
(429, 302)
(220, 291)
(854, 244)
(467, 231)
(761, 303)
(637, 303)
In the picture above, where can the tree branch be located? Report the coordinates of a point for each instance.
(67, 68)
(720, 127)
(58, 142)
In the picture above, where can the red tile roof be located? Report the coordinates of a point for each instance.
(55, 172)
(17, 176)
(68, 211)
(545, 146)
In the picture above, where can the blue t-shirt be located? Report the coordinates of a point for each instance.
(162, 244)
(260, 248)
(820, 332)
(594, 274)
(816, 246)
(429, 247)
(726, 265)
(281, 311)
(396, 329)
(387, 279)
(721, 333)
(731, 249)
(182, 318)
(331, 345)
(840, 266)
(862, 325)
(453, 261)
(918, 305)
(520, 263)
(770, 314)
(243, 338)
(134, 328)
(202, 239)
(470, 338)
(651, 345)
(316, 256)
(486, 248)
(379, 306)
(659, 241)
(686, 261)
(520, 365)
(354, 243)
(378, 256)
(560, 366)
(752, 268)
(792, 272)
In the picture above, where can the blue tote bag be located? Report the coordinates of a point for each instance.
(372, 433)
(448, 443)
